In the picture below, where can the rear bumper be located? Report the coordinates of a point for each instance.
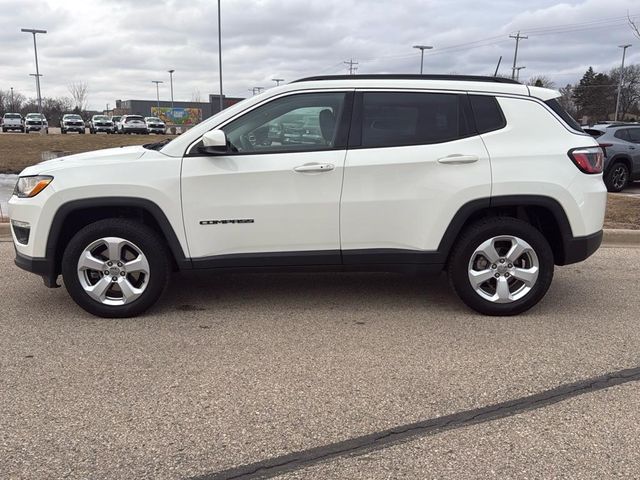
(40, 266)
(578, 249)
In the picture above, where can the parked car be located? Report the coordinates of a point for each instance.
(100, 123)
(621, 147)
(72, 122)
(36, 122)
(116, 123)
(155, 125)
(133, 124)
(414, 174)
(12, 121)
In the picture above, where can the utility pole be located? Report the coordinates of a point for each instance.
(157, 82)
(107, 109)
(13, 108)
(256, 90)
(352, 66)
(277, 80)
(624, 51)
(518, 37)
(171, 81)
(37, 75)
(220, 56)
(422, 48)
(518, 72)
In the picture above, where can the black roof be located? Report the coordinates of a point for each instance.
(385, 76)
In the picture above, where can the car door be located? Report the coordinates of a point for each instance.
(414, 160)
(273, 198)
(634, 150)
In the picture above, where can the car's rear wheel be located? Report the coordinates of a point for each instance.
(115, 268)
(617, 177)
(501, 266)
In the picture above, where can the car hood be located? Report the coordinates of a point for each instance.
(114, 156)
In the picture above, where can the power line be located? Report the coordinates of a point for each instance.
(352, 66)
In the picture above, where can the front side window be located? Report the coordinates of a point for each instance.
(301, 122)
(398, 118)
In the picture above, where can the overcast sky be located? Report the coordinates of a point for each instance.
(119, 46)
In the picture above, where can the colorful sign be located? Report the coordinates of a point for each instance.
(178, 116)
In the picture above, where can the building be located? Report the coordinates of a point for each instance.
(184, 113)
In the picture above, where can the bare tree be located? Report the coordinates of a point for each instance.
(541, 81)
(79, 93)
(196, 97)
(634, 26)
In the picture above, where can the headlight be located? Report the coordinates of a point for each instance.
(28, 187)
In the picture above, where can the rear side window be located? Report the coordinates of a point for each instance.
(487, 113)
(397, 118)
(562, 113)
(622, 134)
(634, 135)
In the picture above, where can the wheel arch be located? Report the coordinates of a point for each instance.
(544, 213)
(74, 215)
(619, 158)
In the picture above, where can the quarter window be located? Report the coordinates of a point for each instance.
(294, 123)
(487, 113)
(622, 134)
(395, 119)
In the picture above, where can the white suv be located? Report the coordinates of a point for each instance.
(484, 177)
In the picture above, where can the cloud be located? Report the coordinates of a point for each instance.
(119, 46)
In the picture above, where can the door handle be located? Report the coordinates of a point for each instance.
(458, 159)
(632, 148)
(314, 167)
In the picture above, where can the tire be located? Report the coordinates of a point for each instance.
(4, 130)
(502, 233)
(617, 177)
(127, 238)
(63, 131)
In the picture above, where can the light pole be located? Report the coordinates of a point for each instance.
(35, 49)
(277, 80)
(171, 81)
(422, 48)
(157, 82)
(220, 55)
(624, 50)
(12, 104)
(518, 73)
(37, 75)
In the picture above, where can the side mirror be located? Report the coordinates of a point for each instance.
(214, 142)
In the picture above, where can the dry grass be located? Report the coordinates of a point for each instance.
(623, 211)
(18, 151)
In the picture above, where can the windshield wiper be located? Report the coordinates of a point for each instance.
(157, 145)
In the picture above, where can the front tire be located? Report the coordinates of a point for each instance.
(501, 266)
(617, 177)
(115, 268)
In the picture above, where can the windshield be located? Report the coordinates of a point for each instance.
(34, 115)
(153, 119)
(101, 117)
(72, 117)
(12, 115)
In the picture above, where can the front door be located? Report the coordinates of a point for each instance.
(273, 199)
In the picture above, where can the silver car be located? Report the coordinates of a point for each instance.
(621, 145)
(35, 122)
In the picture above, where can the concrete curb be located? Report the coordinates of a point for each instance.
(612, 237)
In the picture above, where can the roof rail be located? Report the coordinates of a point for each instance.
(404, 76)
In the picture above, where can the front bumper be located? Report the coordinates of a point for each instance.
(103, 128)
(32, 128)
(74, 128)
(40, 266)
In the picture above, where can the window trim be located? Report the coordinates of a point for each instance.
(355, 137)
(342, 135)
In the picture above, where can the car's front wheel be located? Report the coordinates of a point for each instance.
(501, 266)
(115, 268)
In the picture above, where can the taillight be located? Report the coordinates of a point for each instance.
(587, 159)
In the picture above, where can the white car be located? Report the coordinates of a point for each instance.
(35, 122)
(155, 125)
(133, 124)
(412, 173)
(100, 123)
(12, 121)
(72, 122)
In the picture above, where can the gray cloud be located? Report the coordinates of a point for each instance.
(119, 46)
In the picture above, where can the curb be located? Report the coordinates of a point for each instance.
(612, 237)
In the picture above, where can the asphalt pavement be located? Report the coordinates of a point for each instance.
(230, 371)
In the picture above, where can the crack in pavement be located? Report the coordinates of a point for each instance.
(271, 467)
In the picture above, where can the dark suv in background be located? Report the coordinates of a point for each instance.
(621, 146)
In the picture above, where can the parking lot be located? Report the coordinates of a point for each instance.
(231, 374)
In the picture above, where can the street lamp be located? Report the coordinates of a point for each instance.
(277, 80)
(157, 82)
(13, 109)
(422, 48)
(220, 55)
(171, 80)
(518, 72)
(37, 75)
(624, 50)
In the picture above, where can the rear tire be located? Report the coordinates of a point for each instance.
(501, 266)
(125, 250)
(617, 177)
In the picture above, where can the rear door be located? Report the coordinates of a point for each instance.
(634, 150)
(414, 160)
